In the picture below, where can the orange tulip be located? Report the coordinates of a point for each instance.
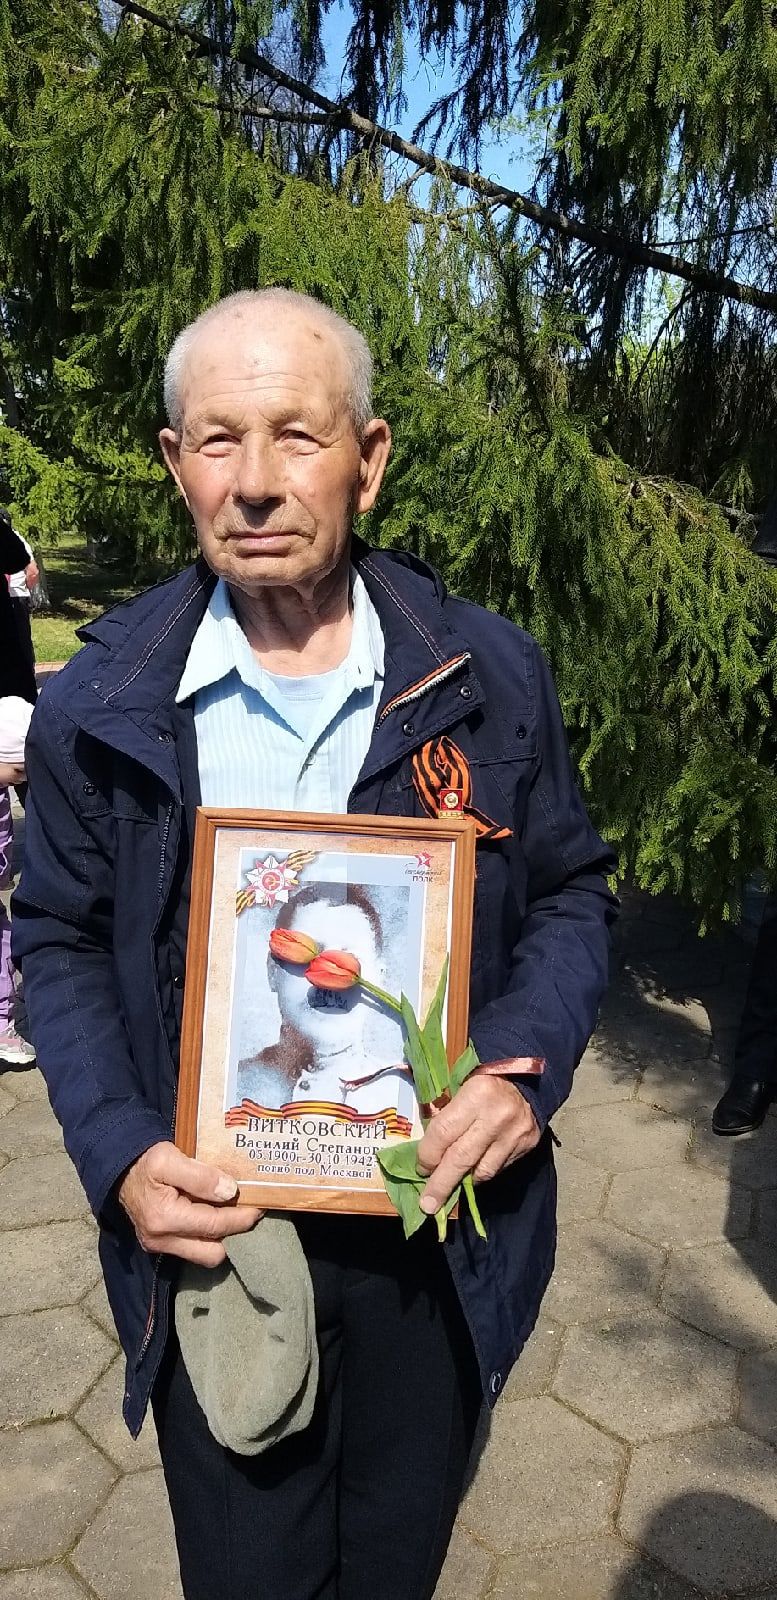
(288, 944)
(334, 969)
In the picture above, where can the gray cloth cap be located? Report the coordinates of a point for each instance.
(248, 1338)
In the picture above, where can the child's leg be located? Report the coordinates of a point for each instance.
(6, 971)
(14, 1050)
(6, 867)
(6, 839)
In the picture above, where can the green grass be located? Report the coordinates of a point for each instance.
(79, 589)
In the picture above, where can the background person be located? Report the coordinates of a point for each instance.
(292, 668)
(20, 585)
(753, 1084)
(17, 674)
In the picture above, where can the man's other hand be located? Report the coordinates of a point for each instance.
(181, 1206)
(485, 1127)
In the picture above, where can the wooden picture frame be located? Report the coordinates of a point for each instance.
(272, 1085)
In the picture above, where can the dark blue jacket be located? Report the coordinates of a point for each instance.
(100, 916)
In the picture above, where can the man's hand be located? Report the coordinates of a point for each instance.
(31, 574)
(485, 1127)
(182, 1207)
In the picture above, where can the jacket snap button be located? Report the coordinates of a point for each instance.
(164, 738)
(95, 684)
(521, 730)
(496, 1382)
(90, 788)
(177, 980)
(466, 692)
(408, 728)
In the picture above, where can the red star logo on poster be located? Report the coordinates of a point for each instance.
(423, 858)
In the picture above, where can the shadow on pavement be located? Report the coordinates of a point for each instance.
(717, 1544)
(671, 1017)
(674, 1002)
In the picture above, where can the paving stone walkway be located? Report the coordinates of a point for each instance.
(633, 1455)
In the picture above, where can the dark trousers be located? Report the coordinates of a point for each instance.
(360, 1506)
(756, 1051)
(22, 616)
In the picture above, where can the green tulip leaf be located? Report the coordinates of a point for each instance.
(426, 1055)
(435, 1052)
(461, 1069)
(415, 1054)
(432, 1035)
(405, 1185)
(401, 1160)
(435, 1009)
(404, 1198)
(403, 1182)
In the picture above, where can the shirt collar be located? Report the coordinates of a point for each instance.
(365, 659)
(220, 646)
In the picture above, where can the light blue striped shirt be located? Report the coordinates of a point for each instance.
(275, 743)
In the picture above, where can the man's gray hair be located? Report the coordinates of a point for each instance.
(354, 346)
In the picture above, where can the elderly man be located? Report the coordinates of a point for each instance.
(292, 667)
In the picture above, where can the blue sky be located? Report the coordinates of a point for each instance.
(424, 83)
(507, 159)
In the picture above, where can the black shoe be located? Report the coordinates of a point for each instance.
(743, 1106)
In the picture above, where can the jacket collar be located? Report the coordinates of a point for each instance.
(429, 684)
(136, 655)
(132, 666)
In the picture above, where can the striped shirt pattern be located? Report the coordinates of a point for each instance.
(275, 743)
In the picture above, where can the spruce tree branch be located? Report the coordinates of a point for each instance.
(664, 486)
(315, 119)
(601, 239)
(452, 218)
(726, 233)
(673, 312)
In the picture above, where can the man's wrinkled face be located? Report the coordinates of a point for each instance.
(268, 460)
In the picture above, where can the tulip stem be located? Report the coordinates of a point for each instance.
(469, 1190)
(381, 994)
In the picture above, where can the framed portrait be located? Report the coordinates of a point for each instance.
(291, 1084)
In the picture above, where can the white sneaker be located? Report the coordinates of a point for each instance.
(15, 1050)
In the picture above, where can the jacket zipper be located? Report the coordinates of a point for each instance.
(151, 1319)
(418, 690)
(161, 877)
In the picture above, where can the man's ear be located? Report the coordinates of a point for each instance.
(170, 446)
(375, 451)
